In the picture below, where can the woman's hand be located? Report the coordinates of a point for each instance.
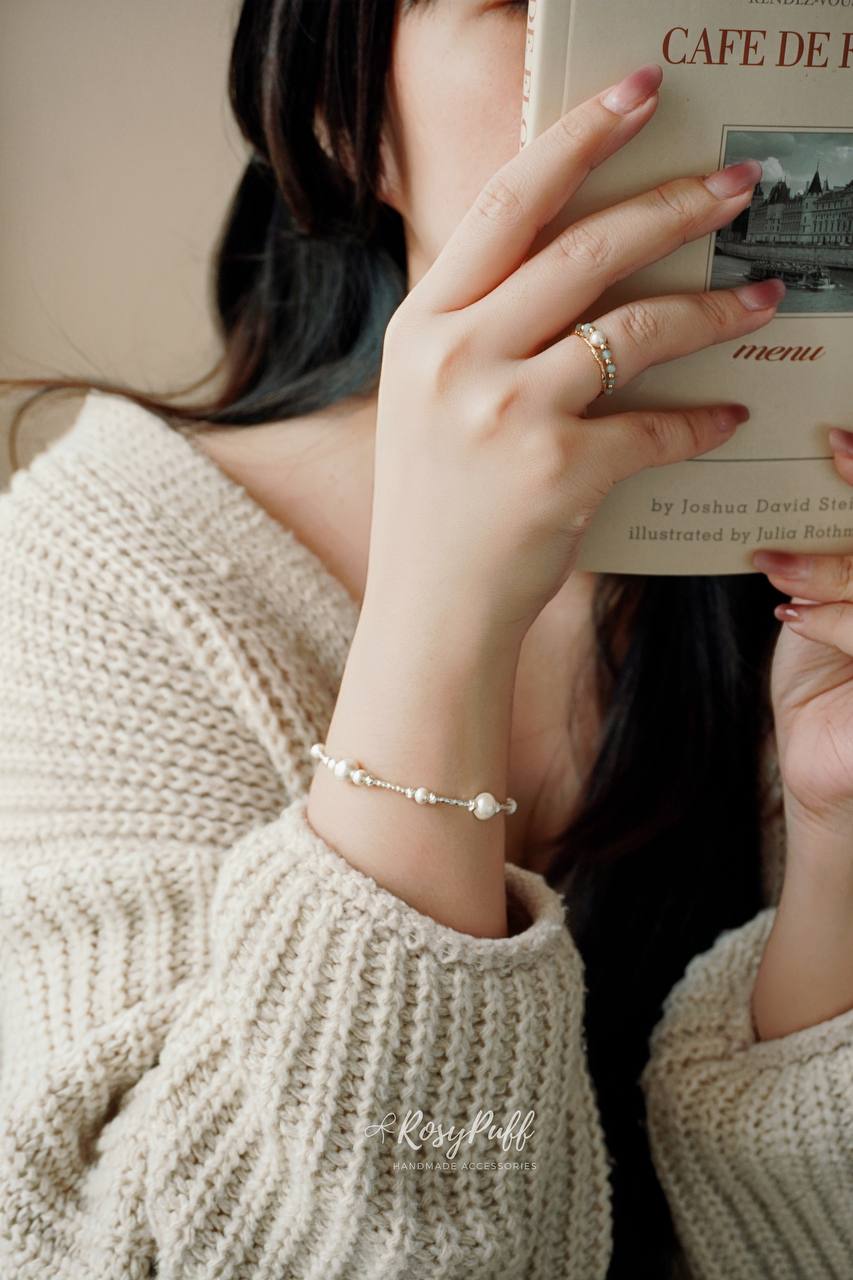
(805, 976)
(486, 472)
(812, 682)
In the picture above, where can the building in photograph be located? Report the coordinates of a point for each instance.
(817, 216)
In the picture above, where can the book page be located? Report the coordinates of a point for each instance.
(741, 79)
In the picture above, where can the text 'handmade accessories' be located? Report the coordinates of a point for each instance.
(484, 805)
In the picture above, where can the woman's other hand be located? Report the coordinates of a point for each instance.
(806, 972)
(812, 677)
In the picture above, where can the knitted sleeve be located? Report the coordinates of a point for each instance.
(226, 1051)
(752, 1140)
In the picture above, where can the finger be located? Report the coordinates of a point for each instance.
(841, 444)
(557, 285)
(818, 576)
(816, 582)
(624, 443)
(651, 331)
(830, 624)
(527, 192)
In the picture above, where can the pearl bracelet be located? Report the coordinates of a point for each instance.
(483, 805)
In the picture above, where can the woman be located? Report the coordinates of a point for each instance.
(254, 1011)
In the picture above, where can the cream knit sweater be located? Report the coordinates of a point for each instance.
(213, 1026)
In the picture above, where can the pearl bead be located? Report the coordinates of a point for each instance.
(485, 805)
(318, 750)
(344, 768)
(597, 338)
(422, 795)
(357, 776)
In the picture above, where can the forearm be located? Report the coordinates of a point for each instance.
(806, 972)
(423, 706)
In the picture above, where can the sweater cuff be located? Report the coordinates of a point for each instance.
(707, 1015)
(747, 1136)
(291, 847)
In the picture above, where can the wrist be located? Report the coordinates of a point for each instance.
(423, 705)
(805, 975)
(819, 848)
(430, 705)
(415, 617)
(457, 649)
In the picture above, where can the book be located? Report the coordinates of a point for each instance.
(779, 90)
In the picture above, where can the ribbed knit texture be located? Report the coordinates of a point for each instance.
(752, 1140)
(205, 1007)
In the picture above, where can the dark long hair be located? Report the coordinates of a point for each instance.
(664, 849)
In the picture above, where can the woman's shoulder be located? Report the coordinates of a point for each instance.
(86, 560)
(131, 561)
(132, 490)
(72, 553)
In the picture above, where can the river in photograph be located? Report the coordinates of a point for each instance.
(729, 272)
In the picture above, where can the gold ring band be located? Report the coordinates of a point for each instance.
(600, 348)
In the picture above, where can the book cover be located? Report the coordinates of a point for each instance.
(769, 79)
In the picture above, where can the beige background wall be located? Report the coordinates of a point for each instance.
(118, 155)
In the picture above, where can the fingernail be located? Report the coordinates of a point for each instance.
(764, 294)
(841, 441)
(734, 178)
(787, 613)
(730, 416)
(633, 90)
(782, 563)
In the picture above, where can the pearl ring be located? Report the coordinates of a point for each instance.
(600, 348)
